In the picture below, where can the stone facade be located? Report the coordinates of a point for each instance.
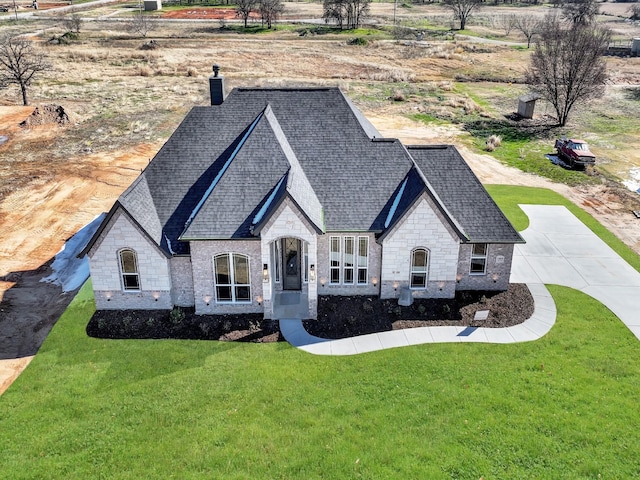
(182, 281)
(423, 226)
(288, 222)
(202, 253)
(188, 281)
(498, 268)
(153, 267)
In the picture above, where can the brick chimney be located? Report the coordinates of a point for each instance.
(216, 86)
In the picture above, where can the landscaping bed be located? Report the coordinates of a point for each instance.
(338, 317)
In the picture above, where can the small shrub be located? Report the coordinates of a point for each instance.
(483, 299)
(151, 322)
(144, 71)
(192, 72)
(493, 142)
(397, 311)
(205, 328)
(367, 307)
(126, 321)
(176, 316)
(446, 309)
(398, 96)
(422, 309)
(359, 41)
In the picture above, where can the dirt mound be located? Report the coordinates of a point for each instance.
(46, 114)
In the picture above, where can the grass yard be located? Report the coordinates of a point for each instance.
(561, 407)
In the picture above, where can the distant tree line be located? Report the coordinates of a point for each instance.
(345, 13)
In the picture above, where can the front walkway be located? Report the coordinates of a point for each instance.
(559, 250)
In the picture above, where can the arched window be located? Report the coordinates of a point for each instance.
(231, 277)
(419, 267)
(129, 270)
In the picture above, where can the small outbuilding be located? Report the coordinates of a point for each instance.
(526, 104)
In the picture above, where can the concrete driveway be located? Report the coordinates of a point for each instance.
(561, 250)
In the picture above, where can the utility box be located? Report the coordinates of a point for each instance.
(526, 104)
(151, 5)
(635, 47)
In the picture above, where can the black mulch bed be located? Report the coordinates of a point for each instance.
(338, 317)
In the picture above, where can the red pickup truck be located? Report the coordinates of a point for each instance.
(575, 152)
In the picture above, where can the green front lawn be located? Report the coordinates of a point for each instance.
(561, 407)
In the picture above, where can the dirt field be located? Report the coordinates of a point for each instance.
(123, 102)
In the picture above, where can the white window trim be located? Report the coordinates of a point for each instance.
(305, 260)
(233, 283)
(276, 260)
(354, 259)
(339, 267)
(475, 256)
(122, 274)
(426, 272)
(366, 267)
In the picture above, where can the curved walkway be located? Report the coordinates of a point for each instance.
(535, 327)
(559, 250)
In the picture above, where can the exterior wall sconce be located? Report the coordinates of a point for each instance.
(156, 295)
(312, 273)
(395, 286)
(374, 280)
(108, 295)
(441, 285)
(323, 281)
(265, 272)
(207, 299)
(259, 299)
(495, 277)
(458, 278)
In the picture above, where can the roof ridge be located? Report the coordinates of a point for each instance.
(222, 171)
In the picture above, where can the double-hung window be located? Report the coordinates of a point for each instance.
(363, 259)
(419, 268)
(349, 260)
(232, 280)
(335, 260)
(129, 270)
(478, 259)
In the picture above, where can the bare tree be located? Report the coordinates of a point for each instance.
(580, 12)
(20, 62)
(141, 24)
(507, 22)
(270, 11)
(634, 11)
(567, 65)
(346, 13)
(462, 9)
(244, 9)
(73, 23)
(529, 25)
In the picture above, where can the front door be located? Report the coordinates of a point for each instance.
(291, 264)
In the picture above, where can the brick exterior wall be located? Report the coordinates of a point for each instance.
(422, 226)
(324, 274)
(499, 258)
(287, 221)
(153, 268)
(202, 253)
(182, 281)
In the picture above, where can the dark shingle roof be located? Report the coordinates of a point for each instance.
(463, 195)
(336, 168)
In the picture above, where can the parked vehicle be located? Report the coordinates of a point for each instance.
(574, 152)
